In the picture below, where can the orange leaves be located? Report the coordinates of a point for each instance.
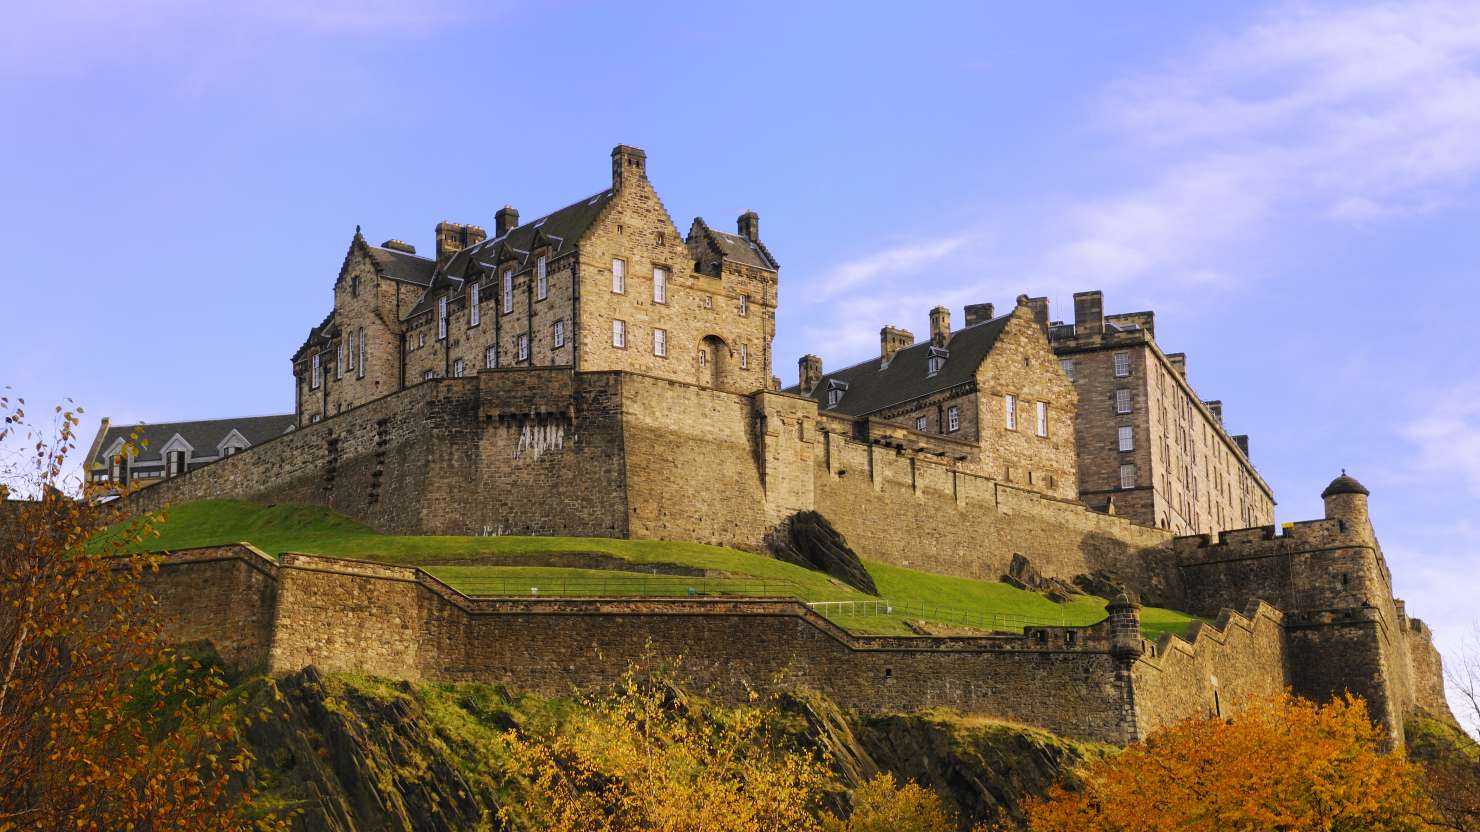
(1281, 764)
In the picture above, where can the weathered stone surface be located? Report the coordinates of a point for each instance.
(809, 541)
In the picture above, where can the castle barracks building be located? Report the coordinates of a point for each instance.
(595, 373)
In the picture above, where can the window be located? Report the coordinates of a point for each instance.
(339, 361)
(174, 463)
(1067, 365)
(1128, 475)
(1122, 364)
(314, 421)
(619, 333)
(541, 280)
(1127, 440)
(1009, 410)
(426, 376)
(229, 450)
(660, 343)
(744, 305)
(421, 339)
(936, 361)
(318, 373)
(953, 419)
(922, 424)
(508, 291)
(360, 373)
(833, 397)
(441, 318)
(1041, 418)
(660, 285)
(524, 346)
(619, 276)
(350, 351)
(560, 333)
(458, 368)
(474, 313)
(490, 357)
(744, 357)
(354, 286)
(1123, 400)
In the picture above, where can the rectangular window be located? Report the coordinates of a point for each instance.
(457, 368)
(490, 357)
(318, 372)
(360, 373)
(1067, 365)
(426, 376)
(953, 419)
(524, 346)
(508, 291)
(314, 420)
(660, 343)
(922, 424)
(1128, 475)
(1123, 400)
(175, 464)
(559, 333)
(744, 305)
(619, 276)
(421, 339)
(1009, 410)
(744, 357)
(619, 333)
(541, 280)
(1126, 437)
(660, 285)
(475, 314)
(1122, 364)
(339, 361)
(441, 318)
(1041, 421)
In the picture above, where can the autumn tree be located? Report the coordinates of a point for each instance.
(646, 756)
(101, 726)
(1282, 763)
(1450, 757)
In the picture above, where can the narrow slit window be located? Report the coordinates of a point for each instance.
(508, 291)
(619, 276)
(441, 318)
(1041, 418)
(1009, 410)
(474, 313)
(542, 280)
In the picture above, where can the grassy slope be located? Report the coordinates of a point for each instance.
(916, 595)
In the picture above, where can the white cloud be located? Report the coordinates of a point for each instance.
(854, 274)
(1446, 437)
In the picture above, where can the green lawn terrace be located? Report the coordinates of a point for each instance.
(909, 601)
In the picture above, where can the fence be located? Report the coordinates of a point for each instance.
(941, 615)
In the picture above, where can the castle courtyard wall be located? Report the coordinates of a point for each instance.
(226, 595)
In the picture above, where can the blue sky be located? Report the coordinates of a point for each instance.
(1292, 187)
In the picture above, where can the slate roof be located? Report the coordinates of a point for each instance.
(561, 229)
(732, 247)
(319, 335)
(871, 389)
(202, 435)
(398, 265)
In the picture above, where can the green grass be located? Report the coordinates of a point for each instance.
(914, 596)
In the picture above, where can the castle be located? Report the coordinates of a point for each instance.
(592, 373)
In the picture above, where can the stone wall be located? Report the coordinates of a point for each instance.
(1240, 657)
(226, 595)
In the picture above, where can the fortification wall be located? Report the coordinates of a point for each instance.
(1239, 657)
(1426, 671)
(226, 595)
(916, 511)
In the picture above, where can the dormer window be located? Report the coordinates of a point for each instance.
(937, 360)
(835, 391)
(174, 463)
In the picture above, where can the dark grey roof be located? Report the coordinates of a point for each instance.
(1344, 485)
(706, 243)
(319, 335)
(870, 389)
(398, 265)
(561, 229)
(202, 435)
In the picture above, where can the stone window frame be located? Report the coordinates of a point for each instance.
(744, 357)
(521, 347)
(490, 357)
(1123, 402)
(427, 375)
(316, 377)
(619, 334)
(542, 279)
(953, 419)
(442, 318)
(475, 312)
(557, 333)
(1067, 365)
(508, 292)
(619, 276)
(360, 368)
(339, 361)
(1127, 476)
(660, 342)
(922, 423)
(660, 284)
(421, 339)
(1009, 411)
(1122, 363)
(1125, 438)
(744, 305)
(1040, 419)
(459, 368)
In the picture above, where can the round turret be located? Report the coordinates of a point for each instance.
(1346, 500)
(1125, 627)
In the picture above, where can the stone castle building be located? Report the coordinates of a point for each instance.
(591, 373)
(143, 455)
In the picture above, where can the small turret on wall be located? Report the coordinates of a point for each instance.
(1346, 502)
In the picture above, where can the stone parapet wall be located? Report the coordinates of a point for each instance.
(226, 595)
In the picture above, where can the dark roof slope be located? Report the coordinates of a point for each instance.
(562, 229)
(871, 389)
(1344, 484)
(319, 335)
(398, 265)
(202, 435)
(705, 242)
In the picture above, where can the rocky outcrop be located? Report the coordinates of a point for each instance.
(808, 540)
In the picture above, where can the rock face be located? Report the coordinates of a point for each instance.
(354, 754)
(808, 540)
(1023, 575)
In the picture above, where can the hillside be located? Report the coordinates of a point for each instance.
(909, 601)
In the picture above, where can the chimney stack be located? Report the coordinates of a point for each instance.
(1040, 312)
(892, 340)
(809, 372)
(628, 164)
(399, 245)
(1179, 362)
(979, 313)
(940, 326)
(749, 225)
(1217, 407)
(1089, 313)
(506, 219)
(453, 237)
(1242, 441)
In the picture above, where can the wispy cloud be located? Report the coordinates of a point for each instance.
(1446, 438)
(885, 262)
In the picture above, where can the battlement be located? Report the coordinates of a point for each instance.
(1264, 540)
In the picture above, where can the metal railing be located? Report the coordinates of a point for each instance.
(654, 586)
(939, 615)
